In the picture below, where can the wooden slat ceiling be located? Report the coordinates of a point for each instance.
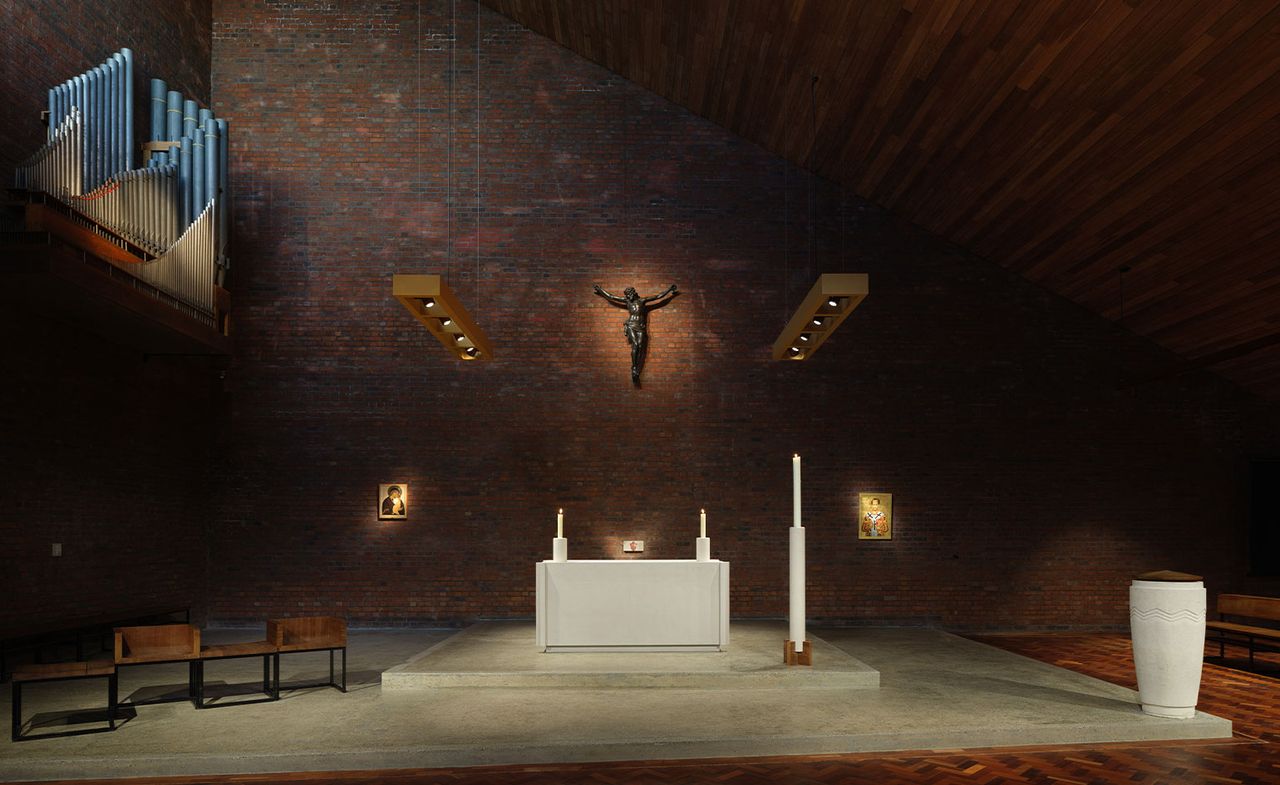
(1064, 139)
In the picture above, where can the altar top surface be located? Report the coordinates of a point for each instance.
(634, 561)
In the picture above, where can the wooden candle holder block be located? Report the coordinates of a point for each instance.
(792, 657)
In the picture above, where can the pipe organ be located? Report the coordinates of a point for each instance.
(172, 213)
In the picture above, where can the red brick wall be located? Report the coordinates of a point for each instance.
(1030, 480)
(101, 449)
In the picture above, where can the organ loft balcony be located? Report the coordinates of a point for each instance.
(61, 264)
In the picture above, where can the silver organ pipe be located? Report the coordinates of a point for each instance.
(171, 212)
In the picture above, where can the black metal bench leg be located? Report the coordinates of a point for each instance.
(17, 711)
(332, 682)
(275, 683)
(192, 667)
(199, 666)
(113, 700)
(344, 668)
(266, 674)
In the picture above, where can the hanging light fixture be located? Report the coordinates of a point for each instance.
(430, 300)
(426, 296)
(834, 295)
(830, 301)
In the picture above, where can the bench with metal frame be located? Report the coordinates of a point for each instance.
(1251, 636)
(230, 651)
(159, 644)
(310, 633)
(63, 671)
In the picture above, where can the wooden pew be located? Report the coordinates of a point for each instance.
(61, 671)
(160, 643)
(1238, 615)
(310, 633)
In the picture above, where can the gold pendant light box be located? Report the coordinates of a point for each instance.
(830, 301)
(433, 303)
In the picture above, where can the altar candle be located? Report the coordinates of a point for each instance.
(704, 524)
(795, 490)
(560, 522)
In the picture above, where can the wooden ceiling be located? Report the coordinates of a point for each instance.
(1064, 139)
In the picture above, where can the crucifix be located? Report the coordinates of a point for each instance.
(637, 322)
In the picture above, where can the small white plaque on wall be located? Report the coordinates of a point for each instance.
(633, 546)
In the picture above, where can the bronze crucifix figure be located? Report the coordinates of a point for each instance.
(637, 323)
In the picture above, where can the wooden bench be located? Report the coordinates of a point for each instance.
(1245, 632)
(37, 636)
(62, 671)
(310, 633)
(160, 643)
(230, 651)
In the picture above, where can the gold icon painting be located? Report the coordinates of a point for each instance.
(875, 516)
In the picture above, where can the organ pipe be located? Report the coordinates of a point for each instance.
(172, 211)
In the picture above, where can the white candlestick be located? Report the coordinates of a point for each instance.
(704, 524)
(795, 490)
(797, 587)
(560, 523)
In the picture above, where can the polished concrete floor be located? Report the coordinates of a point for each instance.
(936, 691)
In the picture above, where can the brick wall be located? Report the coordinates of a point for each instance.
(1031, 476)
(102, 450)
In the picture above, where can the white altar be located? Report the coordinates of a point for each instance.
(633, 605)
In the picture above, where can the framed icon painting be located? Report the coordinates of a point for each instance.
(875, 516)
(393, 501)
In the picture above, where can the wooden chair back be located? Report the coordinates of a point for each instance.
(307, 631)
(1250, 606)
(134, 642)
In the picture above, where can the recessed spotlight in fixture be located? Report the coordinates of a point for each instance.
(446, 321)
(833, 303)
(794, 350)
(805, 338)
(472, 351)
(818, 321)
(459, 338)
(428, 302)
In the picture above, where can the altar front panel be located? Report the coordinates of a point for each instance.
(633, 605)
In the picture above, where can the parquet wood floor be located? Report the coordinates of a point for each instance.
(1250, 699)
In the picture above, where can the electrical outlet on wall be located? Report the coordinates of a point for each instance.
(57, 549)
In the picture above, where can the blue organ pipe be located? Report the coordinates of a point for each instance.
(158, 104)
(110, 99)
(53, 113)
(210, 158)
(126, 56)
(117, 114)
(59, 106)
(88, 128)
(158, 126)
(189, 113)
(203, 115)
(197, 176)
(99, 126)
(173, 117)
(91, 129)
(77, 91)
(55, 94)
(184, 180)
